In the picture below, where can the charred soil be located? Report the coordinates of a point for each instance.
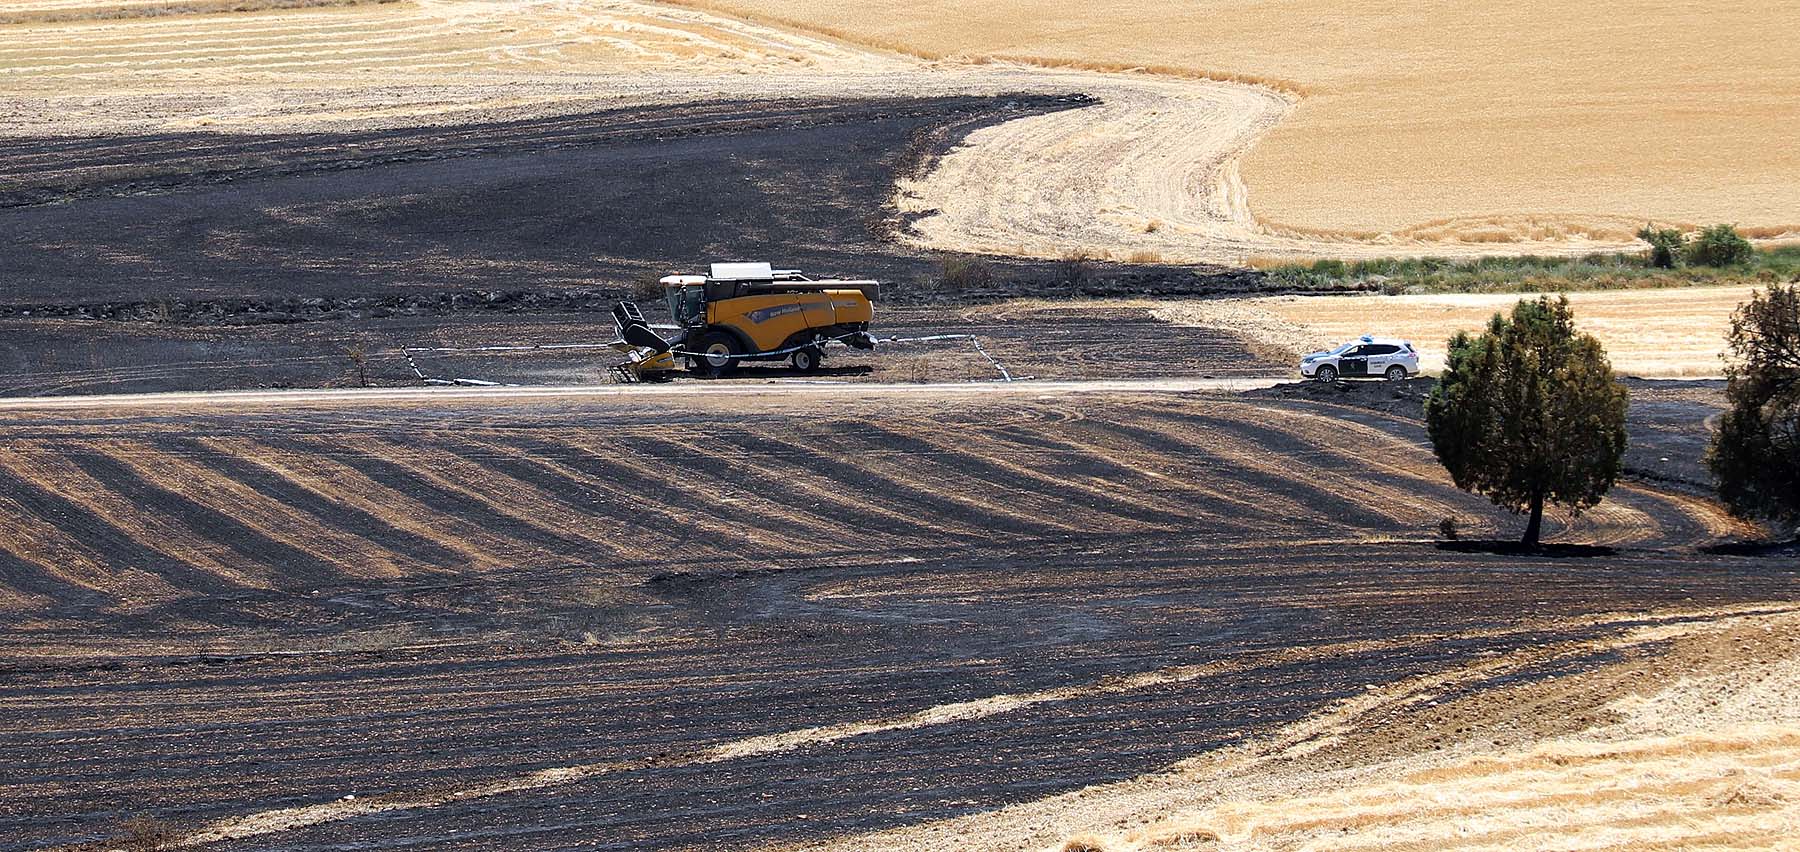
(709, 621)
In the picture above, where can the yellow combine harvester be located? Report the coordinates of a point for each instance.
(744, 312)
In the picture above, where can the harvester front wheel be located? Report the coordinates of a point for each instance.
(717, 353)
(807, 360)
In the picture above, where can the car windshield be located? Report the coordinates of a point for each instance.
(1346, 347)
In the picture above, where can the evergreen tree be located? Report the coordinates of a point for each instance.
(1529, 412)
(1756, 453)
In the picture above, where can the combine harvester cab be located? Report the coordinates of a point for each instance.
(745, 312)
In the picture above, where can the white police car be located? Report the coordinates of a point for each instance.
(1363, 358)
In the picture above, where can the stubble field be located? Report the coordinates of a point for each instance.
(1672, 333)
(1469, 121)
(1457, 149)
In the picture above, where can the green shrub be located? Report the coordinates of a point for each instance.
(1666, 245)
(1330, 268)
(1719, 245)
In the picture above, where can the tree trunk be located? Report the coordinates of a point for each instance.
(1536, 523)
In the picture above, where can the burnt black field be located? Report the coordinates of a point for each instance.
(407, 601)
(603, 198)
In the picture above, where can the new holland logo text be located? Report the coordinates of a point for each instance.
(765, 314)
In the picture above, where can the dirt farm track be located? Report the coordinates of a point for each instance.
(734, 620)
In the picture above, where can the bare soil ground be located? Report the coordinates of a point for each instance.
(1076, 341)
(1683, 737)
(703, 621)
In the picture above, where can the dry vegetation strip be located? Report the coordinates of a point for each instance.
(1651, 333)
(1301, 737)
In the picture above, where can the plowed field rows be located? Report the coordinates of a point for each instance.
(720, 621)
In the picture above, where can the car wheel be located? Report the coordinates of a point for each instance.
(806, 360)
(717, 353)
(1326, 373)
(1396, 373)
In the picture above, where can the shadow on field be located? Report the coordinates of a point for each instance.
(781, 370)
(1754, 548)
(1514, 548)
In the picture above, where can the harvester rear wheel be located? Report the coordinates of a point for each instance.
(807, 360)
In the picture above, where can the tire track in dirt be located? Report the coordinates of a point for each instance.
(770, 461)
(1396, 482)
(1014, 484)
(219, 488)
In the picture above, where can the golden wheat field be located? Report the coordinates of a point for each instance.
(1482, 121)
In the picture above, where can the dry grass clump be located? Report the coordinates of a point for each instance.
(964, 272)
(1144, 256)
(144, 834)
(1075, 266)
(1084, 843)
(913, 369)
(1771, 233)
